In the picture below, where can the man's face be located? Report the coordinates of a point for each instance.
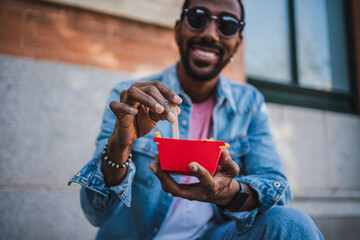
(204, 53)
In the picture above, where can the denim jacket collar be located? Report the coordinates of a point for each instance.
(223, 91)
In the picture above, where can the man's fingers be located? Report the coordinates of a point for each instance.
(134, 94)
(229, 167)
(178, 110)
(156, 94)
(171, 186)
(193, 191)
(157, 159)
(167, 182)
(121, 109)
(123, 95)
(156, 117)
(168, 93)
(205, 178)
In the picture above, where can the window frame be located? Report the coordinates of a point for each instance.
(294, 94)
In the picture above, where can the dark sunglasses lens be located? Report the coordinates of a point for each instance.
(228, 25)
(197, 18)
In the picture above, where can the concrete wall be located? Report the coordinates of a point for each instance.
(321, 153)
(50, 115)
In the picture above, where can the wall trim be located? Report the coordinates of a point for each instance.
(159, 12)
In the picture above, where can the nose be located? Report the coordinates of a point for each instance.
(211, 32)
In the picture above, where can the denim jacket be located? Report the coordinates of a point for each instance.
(136, 208)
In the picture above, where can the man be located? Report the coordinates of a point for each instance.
(243, 199)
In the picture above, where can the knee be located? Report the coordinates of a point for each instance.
(290, 222)
(291, 217)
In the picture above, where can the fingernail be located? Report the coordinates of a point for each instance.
(194, 167)
(133, 110)
(159, 108)
(177, 99)
(171, 116)
(153, 169)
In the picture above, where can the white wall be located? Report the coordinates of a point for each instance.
(50, 115)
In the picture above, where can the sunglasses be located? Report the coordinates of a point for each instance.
(199, 17)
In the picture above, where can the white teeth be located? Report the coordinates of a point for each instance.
(206, 54)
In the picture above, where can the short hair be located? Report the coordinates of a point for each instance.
(242, 10)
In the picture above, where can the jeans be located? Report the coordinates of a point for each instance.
(278, 223)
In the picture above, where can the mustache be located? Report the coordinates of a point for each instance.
(205, 43)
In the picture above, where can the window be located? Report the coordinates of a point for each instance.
(297, 52)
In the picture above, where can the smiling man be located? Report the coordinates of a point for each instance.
(244, 199)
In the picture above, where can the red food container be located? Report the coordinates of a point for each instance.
(176, 154)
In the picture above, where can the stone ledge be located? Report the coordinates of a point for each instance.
(327, 194)
(159, 12)
(327, 204)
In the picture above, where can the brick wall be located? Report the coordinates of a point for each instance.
(48, 31)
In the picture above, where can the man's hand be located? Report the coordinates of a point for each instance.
(218, 189)
(140, 108)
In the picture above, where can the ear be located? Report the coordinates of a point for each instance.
(177, 32)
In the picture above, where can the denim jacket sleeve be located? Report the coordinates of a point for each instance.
(262, 169)
(97, 200)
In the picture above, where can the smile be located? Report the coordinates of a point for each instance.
(205, 54)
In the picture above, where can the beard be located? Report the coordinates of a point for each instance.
(198, 76)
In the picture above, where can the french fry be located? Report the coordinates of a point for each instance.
(175, 125)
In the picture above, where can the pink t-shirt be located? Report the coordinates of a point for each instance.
(201, 116)
(188, 219)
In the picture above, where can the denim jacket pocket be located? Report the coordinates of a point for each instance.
(239, 147)
(144, 150)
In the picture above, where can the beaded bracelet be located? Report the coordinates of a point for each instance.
(111, 163)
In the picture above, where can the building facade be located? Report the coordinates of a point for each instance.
(60, 58)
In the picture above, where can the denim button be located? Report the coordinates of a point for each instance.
(184, 122)
(276, 184)
(169, 194)
(156, 229)
(143, 145)
(78, 174)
